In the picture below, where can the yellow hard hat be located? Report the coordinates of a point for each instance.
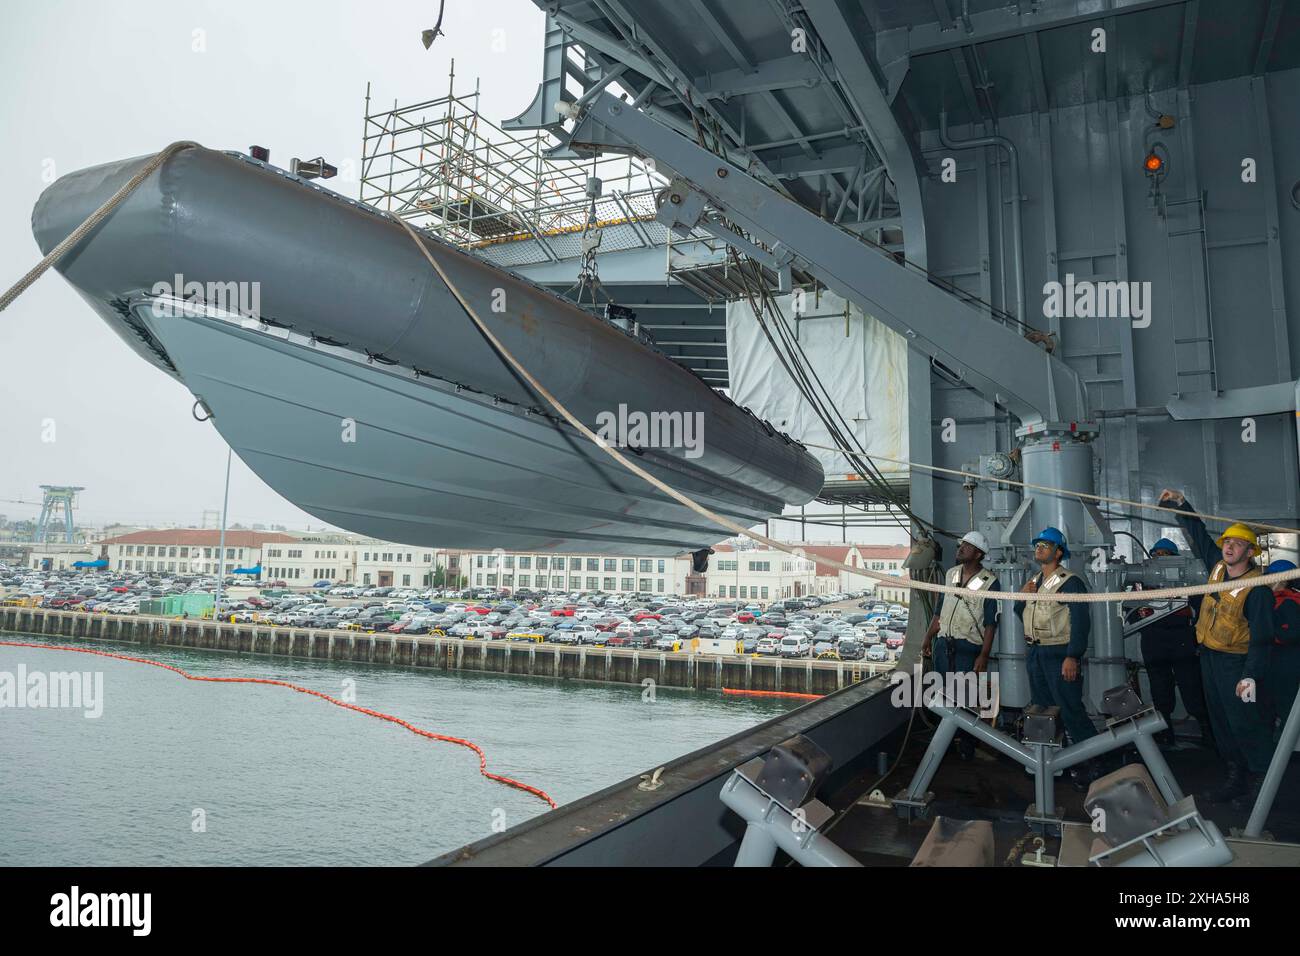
(1243, 533)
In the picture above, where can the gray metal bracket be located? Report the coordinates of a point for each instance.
(769, 826)
(1044, 760)
(1198, 844)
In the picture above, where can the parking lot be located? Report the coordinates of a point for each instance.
(829, 627)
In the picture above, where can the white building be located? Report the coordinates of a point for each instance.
(187, 550)
(578, 572)
(760, 575)
(884, 558)
(59, 557)
(766, 575)
(349, 559)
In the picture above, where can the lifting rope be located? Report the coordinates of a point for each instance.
(726, 523)
(1204, 516)
(459, 741)
(96, 217)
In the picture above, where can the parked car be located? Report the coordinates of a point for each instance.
(877, 653)
(851, 650)
(795, 645)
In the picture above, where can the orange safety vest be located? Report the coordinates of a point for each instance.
(1223, 625)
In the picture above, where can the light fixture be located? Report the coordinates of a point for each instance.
(312, 168)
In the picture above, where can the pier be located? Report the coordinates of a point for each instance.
(633, 666)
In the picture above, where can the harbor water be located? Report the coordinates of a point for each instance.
(177, 772)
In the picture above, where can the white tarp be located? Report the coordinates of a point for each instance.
(863, 366)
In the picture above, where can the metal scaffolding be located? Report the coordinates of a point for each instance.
(442, 166)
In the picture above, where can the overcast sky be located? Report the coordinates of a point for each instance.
(92, 81)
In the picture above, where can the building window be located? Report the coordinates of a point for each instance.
(645, 565)
(659, 585)
(643, 584)
(593, 584)
(628, 565)
(593, 564)
(660, 568)
(523, 580)
(744, 591)
(760, 565)
(611, 564)
(627, 584)
(607, 584)
(764, 594)
(728, 565)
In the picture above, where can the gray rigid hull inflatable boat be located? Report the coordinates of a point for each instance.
(363, 392)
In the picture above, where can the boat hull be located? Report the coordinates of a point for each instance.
(330, 270)
(416, 460)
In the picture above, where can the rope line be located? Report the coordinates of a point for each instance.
(732, 526)
(1204, 516)
(380, 715)
(96, 217)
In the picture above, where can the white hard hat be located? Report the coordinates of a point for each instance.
(977, 539)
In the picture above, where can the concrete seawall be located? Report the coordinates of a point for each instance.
(606, 665)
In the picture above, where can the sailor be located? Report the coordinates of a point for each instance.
(1057, 634)
(1235, 631)
(1169, 654)
(964, 625)
(1284, 656)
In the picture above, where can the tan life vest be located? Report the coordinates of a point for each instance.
(1222, 625)
(963, 617)
(1048, 622)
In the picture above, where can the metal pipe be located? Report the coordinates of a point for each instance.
(221, 558)
(1273, 778)
(848, 189)
(1014, 160)
(771, 827)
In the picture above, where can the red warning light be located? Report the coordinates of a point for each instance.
(1153, 163)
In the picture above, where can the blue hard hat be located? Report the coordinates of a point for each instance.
(1053, 536)
(1164, 544)
(1279, 565)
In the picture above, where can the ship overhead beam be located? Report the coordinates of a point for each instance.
(998, 362)
(839, 37)
(1008, 21)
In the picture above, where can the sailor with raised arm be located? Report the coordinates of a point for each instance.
(1235, 632)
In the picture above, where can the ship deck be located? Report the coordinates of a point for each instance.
(992, 787)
